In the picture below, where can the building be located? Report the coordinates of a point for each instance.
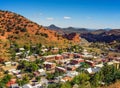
(76, 55)
(49, 58)
(72, 74)
(27, 86)
(61, 69)
(93, 70)
(66, 78)
(14, 86)
(58, 57)
(42, 72)
(91, 63)
(49, 65)
(71, 68)
(77, 61)
(8, 64)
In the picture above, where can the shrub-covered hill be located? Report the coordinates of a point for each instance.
(15, 28)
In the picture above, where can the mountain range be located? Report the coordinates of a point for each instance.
(92, 35)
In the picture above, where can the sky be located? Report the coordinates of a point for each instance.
(94, 14)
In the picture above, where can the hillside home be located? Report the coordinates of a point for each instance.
(91, 63)
(93, 70)
(8, 64)
(54, 50)
(60, 69)
(11, 82)
(76, 55)
(49, 65)
(99, 65)
(66, 78)
(27, 86)
(21, 49)
(58, 57)
(42, 72)
(86, 54)
(14, 86)
(115, 63)
(49, 58)
(16, 72)
(71, 68)
(68, 55)
(77, 61)
(71, 74)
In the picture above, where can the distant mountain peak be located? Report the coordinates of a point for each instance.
(54, 27)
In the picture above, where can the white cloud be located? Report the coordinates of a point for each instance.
(50, 18)
(67, 17)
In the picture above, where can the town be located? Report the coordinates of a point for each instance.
(43, 67)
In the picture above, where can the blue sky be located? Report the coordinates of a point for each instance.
(64, 13)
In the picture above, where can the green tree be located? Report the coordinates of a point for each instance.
(66, 85)
(95, 79)
(81, 78)
(33, 67)
(38, 78)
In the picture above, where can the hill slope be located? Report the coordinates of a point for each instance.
(102, 36)
(12, 24)
(15, 28)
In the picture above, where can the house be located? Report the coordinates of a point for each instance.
(91, 63)
(58, 57)
(42, 72)
(99, 65)
(71, 74)
(54, 50)
(37, 86)
(76, 55)
(27, 86)
(44, 50)
(60, 69)
(86, 54)
(93, 70)
(21, 49)
(36, 73)
(49, 65)
(67, 55)
(14, 63)
(64, 62)
(66, 78)
(71, 68)
(14, 86)
(19, 76)
(8, 64)
(16, 72)
(77, 61)
(18, 54)
(116, 64)
(11, 82)
(58, 78)
(11, 70)
(49, 58)
(118, 58)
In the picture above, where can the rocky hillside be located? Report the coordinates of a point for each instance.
(12, 25)
(15, 28)
(72, 36)
(102, 36)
